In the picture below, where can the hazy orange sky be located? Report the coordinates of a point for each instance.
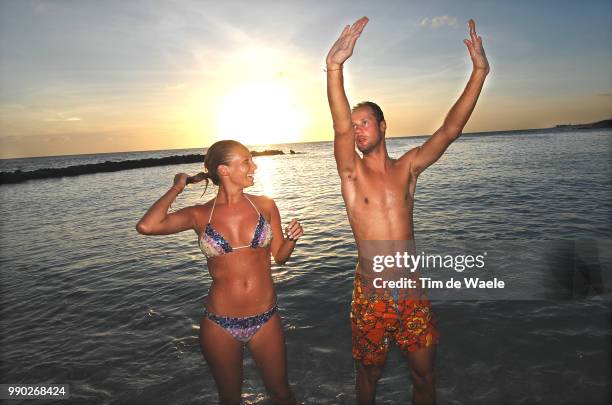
(91, 77)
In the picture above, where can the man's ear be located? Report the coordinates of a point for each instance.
(382, 126)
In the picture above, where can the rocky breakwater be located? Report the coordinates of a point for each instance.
(19, 176)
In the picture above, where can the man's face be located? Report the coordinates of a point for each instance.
(368, 133)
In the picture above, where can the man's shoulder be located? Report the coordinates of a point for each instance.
(406, 161)
(409, 156)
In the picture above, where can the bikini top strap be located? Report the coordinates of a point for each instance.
(245, 196)
(213, 208)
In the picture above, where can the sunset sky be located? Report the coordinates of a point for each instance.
(108, 76)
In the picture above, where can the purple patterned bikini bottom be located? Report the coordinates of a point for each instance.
(242, 329)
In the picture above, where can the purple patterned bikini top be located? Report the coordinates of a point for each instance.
(213, 244)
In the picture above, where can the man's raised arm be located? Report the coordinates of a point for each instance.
(457, 117)
(344, 141)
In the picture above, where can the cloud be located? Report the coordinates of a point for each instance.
(438, 21)
(62, 119)
(604, 94)
(175, 87)
(12, 106)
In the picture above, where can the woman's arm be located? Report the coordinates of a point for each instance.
(282, 246)
(157, 221)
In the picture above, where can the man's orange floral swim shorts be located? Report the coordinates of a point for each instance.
(376, 321)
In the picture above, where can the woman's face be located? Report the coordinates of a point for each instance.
(241, 168)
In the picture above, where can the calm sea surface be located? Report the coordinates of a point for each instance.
(89, 302)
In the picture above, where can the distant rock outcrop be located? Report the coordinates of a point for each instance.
(592, 125)
(19, 176)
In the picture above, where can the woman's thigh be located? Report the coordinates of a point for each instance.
(269, 352)
(223, 354)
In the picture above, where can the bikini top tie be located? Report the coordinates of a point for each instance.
(213, 244)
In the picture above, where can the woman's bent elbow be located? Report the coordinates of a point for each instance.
(142, 229)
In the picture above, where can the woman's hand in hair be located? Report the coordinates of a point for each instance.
(180, 181)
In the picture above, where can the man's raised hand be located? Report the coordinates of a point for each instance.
(477, 53)
(343, 47)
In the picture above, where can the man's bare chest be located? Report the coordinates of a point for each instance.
(381, 192)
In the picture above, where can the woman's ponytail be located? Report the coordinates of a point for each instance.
(202, 176)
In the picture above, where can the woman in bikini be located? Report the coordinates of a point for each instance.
(237, 233)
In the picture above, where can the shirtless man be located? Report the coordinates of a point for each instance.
(379, 193)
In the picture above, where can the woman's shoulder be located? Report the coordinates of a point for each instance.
(262, 201)
(204, 206)
(203, 209)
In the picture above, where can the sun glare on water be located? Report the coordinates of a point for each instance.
(260, 113)
(264, 175)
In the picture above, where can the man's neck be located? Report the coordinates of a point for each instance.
(378, 159)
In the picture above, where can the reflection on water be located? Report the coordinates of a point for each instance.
(265, 173)
(87, 301)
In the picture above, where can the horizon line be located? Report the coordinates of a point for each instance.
(558, 126)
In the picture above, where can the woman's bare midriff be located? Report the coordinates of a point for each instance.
(242, 283)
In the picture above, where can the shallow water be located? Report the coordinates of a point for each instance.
(89, 302)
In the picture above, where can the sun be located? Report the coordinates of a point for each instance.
(260, 113)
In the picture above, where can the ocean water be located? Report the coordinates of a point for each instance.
(89, 302)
